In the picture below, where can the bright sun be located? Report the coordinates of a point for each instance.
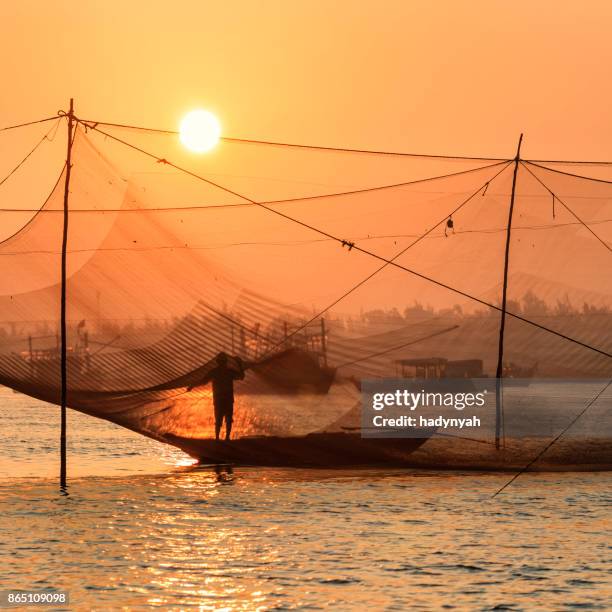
(200, 131)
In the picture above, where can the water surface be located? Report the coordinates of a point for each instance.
(140, 529)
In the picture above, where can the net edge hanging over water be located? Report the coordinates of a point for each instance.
(148, 308)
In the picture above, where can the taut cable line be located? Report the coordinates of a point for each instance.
(401, 252)
(334, 194)
(32, 151)
(399, 346)
(554, 440)
(558, 199)
(342, 149)
(570, 162)
(288, 243)
(36, 211)
(572, 174)
(291, 145)
(356, 247)
(20, 125)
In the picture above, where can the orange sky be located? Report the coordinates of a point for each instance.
(432, 77)
(439, 76)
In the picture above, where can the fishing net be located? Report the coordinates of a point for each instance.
(317, 268)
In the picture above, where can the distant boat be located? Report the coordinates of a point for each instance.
(439, 367)
(433, 368)
(512, 370)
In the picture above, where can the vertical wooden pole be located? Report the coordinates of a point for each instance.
(98, 313)
(257, 325)
(500, 357)
(30, 348)
(63, 347)
(323, 342)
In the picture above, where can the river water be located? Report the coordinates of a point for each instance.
(142, 528)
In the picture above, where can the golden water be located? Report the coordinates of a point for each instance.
(140, 529)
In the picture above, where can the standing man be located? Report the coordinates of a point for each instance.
(223, 377)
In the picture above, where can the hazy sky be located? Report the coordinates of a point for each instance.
(422, 76)
(431, 76)
(462, 77)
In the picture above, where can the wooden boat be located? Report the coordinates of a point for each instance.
(325, 449)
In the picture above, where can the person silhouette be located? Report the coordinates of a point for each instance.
(222, 377)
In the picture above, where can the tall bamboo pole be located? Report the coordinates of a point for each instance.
(500, 357)
(324, 342)
(63, 334)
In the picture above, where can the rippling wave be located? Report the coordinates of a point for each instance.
(165, 535)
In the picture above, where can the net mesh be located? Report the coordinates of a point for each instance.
(165, 270)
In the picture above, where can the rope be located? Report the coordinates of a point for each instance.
(287, 243)
(285, 200)
(400, 346)
(343, 149)
(273, 143)
(361, 249)
(552, 441)
(23, 161)
(580, 176)
(249, 203)
(558, 199)
(570, 161)
(36, 211)
(421, 237)
(20, 125)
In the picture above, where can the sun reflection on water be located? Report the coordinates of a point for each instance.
(258, 539)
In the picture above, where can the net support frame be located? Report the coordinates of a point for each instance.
(502, 325)
(63, 330)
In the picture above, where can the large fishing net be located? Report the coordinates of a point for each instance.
(318, 269)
